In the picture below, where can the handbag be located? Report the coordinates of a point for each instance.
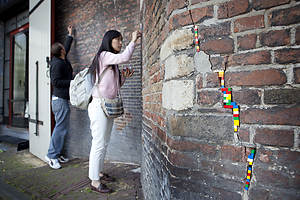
(112, 108)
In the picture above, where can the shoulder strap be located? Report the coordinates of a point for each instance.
(102, 74)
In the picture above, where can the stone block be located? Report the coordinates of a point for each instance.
(178, 40)
(177, 66)
(210, 128)
(178, 95)
(202, 62)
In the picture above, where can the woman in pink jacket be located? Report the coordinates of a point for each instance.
(108, 55)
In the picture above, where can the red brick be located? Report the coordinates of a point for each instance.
(233, 8)
(265, 156)
(263, 4)
(249, 23)
(219, 63)
(251, 58)
(214, 31)
(288, 55)
(244, 134)
(256, 78)
(274, 115)
(232, 153)
(247, 42)
(247, 97)
(275, 38)
(209, 98)
(175, 4)
(187, 146)
(180, 159)
(272, 137)
(229, 169)
(183, 19)
(285, 16)
(217, 46)
(212, 80)
(271, 177)
(160, 133)
(297, 38)
(199, 81)
(289, 158)
(297, 75)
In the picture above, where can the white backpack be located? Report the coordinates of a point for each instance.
(81, 88)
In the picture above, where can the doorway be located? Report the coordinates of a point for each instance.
(18, 94)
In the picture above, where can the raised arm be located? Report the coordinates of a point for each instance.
(69, 39)
(109, 58)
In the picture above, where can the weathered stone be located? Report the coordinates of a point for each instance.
(213, 129)
(178, 40)
(202, 62)
(177, 66)
(178, 95)
(282, 96)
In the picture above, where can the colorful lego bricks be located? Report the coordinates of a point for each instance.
(196, 39)
(228, 103)
(249, 169)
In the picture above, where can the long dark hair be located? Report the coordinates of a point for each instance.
(105, 46)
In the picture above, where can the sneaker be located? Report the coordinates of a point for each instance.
(53, 163)
(62, 159)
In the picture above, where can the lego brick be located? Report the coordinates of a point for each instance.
(235, 129)
(227, 106)
(236, 122)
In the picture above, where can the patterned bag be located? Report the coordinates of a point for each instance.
(112, 108)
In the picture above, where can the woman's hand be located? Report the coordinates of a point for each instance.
(127, 73)
(70, 29)
(136, 35)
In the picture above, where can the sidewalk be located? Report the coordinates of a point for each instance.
(23, 176)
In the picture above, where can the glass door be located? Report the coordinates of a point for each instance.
(19, 80)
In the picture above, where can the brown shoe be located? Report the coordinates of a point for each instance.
(107, 177)
(102, 188)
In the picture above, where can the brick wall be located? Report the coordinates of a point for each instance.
(1, 68)
(190, 150)
(91, 19)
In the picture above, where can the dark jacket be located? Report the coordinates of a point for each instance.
(61, 73)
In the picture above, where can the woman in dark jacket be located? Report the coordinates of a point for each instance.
(61, 75)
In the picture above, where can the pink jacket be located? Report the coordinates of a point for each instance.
(109, 85)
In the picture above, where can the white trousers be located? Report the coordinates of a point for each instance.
(101, 127)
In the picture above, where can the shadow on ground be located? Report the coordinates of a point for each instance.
(24, 174)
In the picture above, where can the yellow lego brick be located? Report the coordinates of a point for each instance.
(236, 109)
(248, 177)
(236, 122)
(221, 74)
(235, 129)
(250, 163)
(249, 171)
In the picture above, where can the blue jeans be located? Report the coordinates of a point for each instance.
(61, 110)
